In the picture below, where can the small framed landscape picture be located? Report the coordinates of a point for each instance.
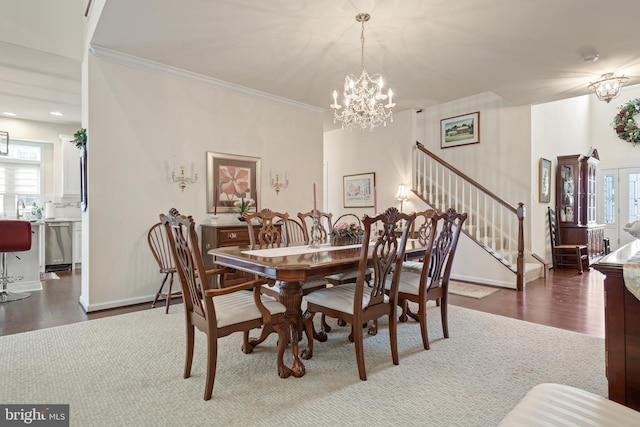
(545, 180)
(359, 190)
(460, 130)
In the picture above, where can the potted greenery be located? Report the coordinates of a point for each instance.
(37, 211)
(80, 138)
(243, 205)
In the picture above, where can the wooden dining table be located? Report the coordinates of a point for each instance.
(293, 264)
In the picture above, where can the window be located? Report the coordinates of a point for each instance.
(20, 177)
(609, 199)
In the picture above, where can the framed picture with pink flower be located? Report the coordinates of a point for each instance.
(232, 180)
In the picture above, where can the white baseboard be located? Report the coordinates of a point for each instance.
(114, 304)
(484, 281)
(25, 286)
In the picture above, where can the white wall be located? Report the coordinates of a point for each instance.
(140, 124)
(386, 151)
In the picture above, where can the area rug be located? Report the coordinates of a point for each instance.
(126, 370)
(470, 289)
(49, 276)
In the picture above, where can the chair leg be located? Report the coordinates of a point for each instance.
(358, 340)
(155, 300)
(266, 331)
(444, 315)
(422, 319)
(579, 259)
(393, 337)
(324, 325)
(212, 359)
(189, 355)
(166, 311)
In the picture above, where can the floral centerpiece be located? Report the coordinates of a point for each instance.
(345, 233)
(243, 205)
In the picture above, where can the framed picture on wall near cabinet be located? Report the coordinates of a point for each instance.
(358, 190)
(545, 181)
(231, 178)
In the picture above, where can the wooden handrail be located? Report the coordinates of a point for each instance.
(518, 211)
(467, 178)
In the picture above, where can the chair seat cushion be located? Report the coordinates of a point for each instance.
(412, 266)
(239, 307)
(348, 277)
(409, 283)
(339, 298)
(307, 286)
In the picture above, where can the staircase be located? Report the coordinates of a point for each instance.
(492, 223)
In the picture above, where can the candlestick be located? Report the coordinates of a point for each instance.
(215, 201)
(375, 201)
(315, 232)
(315, 209)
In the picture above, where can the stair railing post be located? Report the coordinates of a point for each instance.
(521, 212)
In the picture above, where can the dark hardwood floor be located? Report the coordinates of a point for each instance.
(563, 300)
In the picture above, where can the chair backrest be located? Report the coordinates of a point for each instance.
(16, 235)
(188, 260)
(348, 218)
(269, 233)
(554, 230)
(387, 256)
(294, 232)
(160, 246)
(439, 256)
(424, 224)
(324, 224)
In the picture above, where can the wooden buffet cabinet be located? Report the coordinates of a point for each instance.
(622, 328)
(576, 198)
(220, 235)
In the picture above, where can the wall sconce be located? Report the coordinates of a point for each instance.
(402, 195)
(277, 184)
(183, 180)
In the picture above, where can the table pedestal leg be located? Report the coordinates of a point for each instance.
(291, 297)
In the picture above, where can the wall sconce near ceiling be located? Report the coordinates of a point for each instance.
(4, 143)
(608, 86)
(278, 184)
(183, 180)
(402, 195)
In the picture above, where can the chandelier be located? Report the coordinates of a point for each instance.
(364, 105)
(608, 86)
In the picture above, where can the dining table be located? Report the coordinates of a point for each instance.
(291, 265)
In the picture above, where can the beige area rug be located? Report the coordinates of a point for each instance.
(470, 289)
(127, 371)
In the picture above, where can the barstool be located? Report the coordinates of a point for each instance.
(15, 236)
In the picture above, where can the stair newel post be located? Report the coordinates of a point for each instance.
(521, 212)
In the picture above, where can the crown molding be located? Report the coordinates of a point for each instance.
(191, 77)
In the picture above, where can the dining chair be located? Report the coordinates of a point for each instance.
(421, 231)
(567, 254)
(324, 224)
(294, 230)
(160, 246)
(359, 302)
(269, 232)
(432, 282)
(218, 312)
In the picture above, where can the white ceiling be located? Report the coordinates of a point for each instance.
(429, 51)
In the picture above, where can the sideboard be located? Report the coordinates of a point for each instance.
(622, 328)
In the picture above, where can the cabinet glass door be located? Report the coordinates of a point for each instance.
(567, 192)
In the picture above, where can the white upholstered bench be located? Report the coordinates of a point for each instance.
(561, 405)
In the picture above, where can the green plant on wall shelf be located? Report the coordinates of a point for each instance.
(80, 138)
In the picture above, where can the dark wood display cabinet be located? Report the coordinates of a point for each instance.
(576, 197)
(216, 236)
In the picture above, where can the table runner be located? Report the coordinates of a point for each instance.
(297, 250)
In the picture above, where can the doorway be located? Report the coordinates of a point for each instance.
(620, 203)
